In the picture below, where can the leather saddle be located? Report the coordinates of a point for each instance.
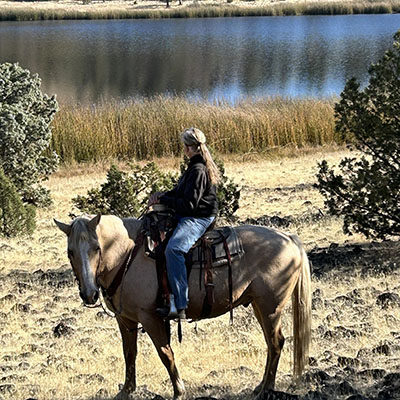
(158, 226)
(219, 240)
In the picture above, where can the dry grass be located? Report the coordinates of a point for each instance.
(87, 9)
(218, 360)
(147, 128)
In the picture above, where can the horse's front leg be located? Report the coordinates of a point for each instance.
(155, 327)
(128, 330)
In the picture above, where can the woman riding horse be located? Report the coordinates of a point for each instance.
(273, 267)
(194, 200)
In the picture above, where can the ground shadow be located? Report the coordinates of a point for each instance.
(316, 384)
(369, 258)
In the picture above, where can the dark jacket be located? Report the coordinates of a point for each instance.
(194, 195)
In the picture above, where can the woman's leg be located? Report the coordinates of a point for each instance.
(187, 232)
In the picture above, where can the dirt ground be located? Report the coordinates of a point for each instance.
(51, 347)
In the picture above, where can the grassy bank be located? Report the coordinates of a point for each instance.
(197, 10)
(146, 128)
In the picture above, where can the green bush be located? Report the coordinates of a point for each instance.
(366, 192)
(228, 194)
(15, 216)
(25, 133)
(126, 194)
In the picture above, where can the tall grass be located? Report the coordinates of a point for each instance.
(198, 11)
(149, 127)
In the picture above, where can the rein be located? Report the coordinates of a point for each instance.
(118, 280)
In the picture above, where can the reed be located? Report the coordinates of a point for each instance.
(198, 11)
(149, 127)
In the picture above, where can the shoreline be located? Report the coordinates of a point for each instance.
(152, 9)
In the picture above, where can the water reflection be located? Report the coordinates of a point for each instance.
(87, 61)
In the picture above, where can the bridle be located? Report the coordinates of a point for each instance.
(118, 281)
(100, 302)
(97, 304)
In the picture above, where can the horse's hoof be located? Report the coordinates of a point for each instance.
(264, 394)
(257, 396)
(122, 395)
(257, 389)
(181, 395)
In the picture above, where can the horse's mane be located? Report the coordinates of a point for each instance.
(80, 228)
(82, 232)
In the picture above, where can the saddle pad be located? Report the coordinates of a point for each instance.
(216, 239)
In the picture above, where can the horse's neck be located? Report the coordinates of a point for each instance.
(119, 248)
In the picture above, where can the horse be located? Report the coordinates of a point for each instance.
(273, 268)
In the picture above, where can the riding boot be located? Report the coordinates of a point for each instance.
(171, 312)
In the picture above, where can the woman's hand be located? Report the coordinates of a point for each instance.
(154, 198)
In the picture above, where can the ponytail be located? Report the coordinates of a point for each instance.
(212, 169)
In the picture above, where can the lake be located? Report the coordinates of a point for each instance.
(212, 58)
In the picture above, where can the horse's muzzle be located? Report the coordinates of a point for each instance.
(90, 297)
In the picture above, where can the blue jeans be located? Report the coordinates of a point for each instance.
(186, 233)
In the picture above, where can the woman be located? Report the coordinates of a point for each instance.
(194, 200)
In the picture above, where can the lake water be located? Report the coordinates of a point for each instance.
(214, 58)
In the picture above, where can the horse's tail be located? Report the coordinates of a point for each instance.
(301, 310)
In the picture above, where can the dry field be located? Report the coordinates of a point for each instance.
(111, 9)
(51, 347)
(121, 5)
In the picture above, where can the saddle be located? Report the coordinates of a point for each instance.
(157, 225)
(216, 248)
(217, 239)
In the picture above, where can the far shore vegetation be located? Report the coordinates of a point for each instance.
(149, 127)
(197, 10)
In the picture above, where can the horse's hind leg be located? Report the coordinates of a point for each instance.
(155, 327)
(271, 326)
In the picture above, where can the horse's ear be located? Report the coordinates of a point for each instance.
(64, 227)
(94, 222)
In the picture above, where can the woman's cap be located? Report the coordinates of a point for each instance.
(193, 137)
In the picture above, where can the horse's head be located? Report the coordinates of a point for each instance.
(84, 253)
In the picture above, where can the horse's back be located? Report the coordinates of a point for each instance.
(262, 241)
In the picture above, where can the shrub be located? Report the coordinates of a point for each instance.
(25, 134)
(15, 217)
(228, 193)
(367, 190)
(126, 193)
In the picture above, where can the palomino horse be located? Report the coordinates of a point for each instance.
(274, 267)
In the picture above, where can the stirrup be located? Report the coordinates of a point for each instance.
(171, 312)
(179, 315)
(162, 311)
